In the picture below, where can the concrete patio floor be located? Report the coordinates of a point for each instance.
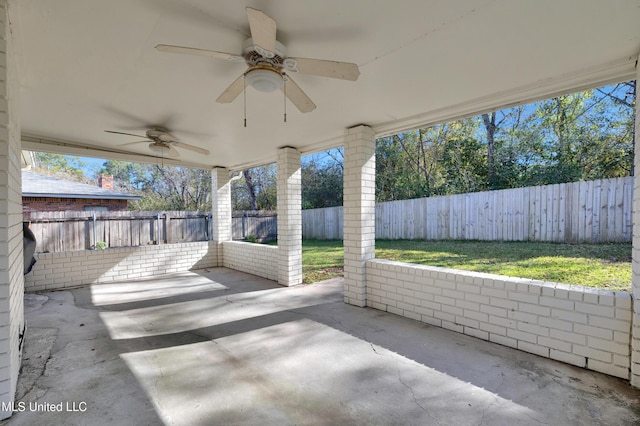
(220, 347)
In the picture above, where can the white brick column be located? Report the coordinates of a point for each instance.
(11, 257)
(635, 280)
(359, 211)
(220, 208)
(289, 217)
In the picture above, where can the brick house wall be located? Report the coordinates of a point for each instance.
(51, 204)
(11, 262)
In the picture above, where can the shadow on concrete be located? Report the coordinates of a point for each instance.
(224, 347)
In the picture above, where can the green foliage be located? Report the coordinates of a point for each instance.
(262, 189)
(582, 136)
(101, 245)
(63, 166)
(322, 183)
(250, 239)
(161, 187)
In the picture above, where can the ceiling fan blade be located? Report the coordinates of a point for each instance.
(232, 91)
(173, 153)
(199, 52)
(134, 143)
(297, 96)
(324, 68)
(168, 137)
(263, 29)
(191, 148)
(122, 133)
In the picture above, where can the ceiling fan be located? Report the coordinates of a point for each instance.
(268, 66)
(162, 142)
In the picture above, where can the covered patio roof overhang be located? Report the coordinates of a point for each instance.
(73, 70)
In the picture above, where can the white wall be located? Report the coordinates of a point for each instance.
(256, 259)
(54, 271)
(582, 326)
(11, 260)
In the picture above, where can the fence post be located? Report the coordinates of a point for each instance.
(158, 229)
(167, 228)
(244, 225)
(95, 232)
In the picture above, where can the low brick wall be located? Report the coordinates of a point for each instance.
(54, 271)
(582, 326)
(256, 259)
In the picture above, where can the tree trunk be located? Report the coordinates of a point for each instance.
(251, 189)
(489, 121)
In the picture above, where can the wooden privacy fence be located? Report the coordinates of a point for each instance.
(593, 212)
(66, 231)
(261, 224)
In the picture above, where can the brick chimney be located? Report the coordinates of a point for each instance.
(105, 182)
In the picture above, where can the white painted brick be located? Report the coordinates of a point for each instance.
(467, 322)
(533, 348)
(523, 316)
(568, 336)
(492, 310)
(621, 360)
(522, 336)
(533, 329)
(591, 353)
(568, 358)
(606, 368)
(560, 345)
(534, 309)
(567, 305)
(603, 311)
(466, 305)
(587, 330)
(452, 326)
(608, 345)
(504, 303)
(503, 322)
(478, 316)
(452, 310)
(569, 316)
(503, 340)
(555, 323)
(476, 333)
(491, 328)
(523, 297)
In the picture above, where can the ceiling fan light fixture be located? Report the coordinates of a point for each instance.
(264, 80)
(160, 149)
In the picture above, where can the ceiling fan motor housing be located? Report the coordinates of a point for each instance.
(264, 72)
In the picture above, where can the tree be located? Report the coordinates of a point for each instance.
(257, 193)
(322, 182)
(66, 167)
(162, 187)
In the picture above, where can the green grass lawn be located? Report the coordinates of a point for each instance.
(594, 265)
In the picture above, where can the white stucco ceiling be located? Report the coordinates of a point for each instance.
(89, 66)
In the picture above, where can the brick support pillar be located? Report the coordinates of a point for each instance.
(220, 208)
(359, 211)
(289, 217)
(635, 280)
(12, 325)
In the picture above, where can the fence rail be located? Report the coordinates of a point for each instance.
(593, 212)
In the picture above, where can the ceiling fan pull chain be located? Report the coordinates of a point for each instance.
(244, 81)
(285, 97)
